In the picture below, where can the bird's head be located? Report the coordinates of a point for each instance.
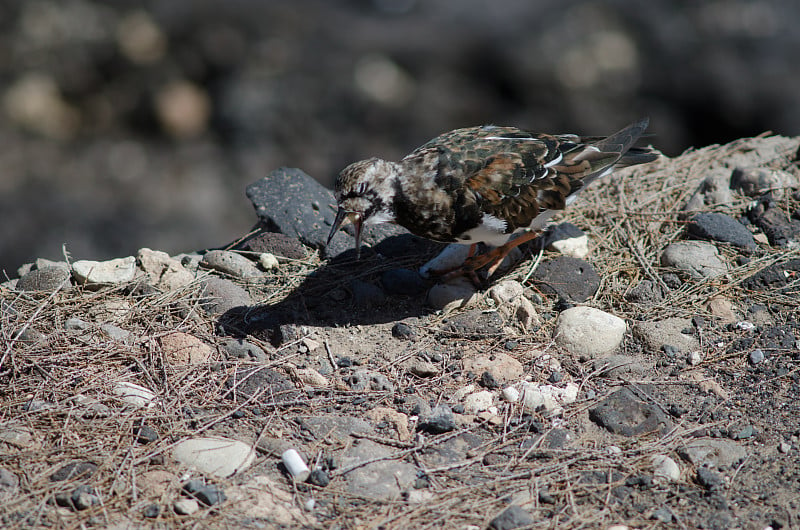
(364, 193)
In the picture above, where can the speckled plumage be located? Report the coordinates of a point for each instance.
(481, 184)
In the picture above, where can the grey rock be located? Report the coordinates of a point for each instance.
(655, 335)
(713, 190)
(220, 295)
(568, 278)
(319, 477)
(151, 511)
(366, 294)
(714, 452)
(620, 366)
(646, 292)
(662, 514)
(214, 455)
(589, 331)
(451, 451)
(424, 369)
(709, 478)
(512, 517)
(95, 274)
(269, 385)
(623, 413)
(335, 426)
(776, 277)
(756, 181)
(208, 494)
(117, 333)
(244, 350)
(694, 259)
(476, 323)
(9, 484)
(721, 227)
(83, 497)
(45, 279)
(403, 282)
(380, 479)
(756, 356)
(30, 336)
(403, 331)
(367, 380)
(277, 244)
(773, 221)
(185, 506)
(441, 420)
(73, 470)
(230, 263)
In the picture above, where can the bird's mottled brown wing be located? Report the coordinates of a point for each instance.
(517, 175)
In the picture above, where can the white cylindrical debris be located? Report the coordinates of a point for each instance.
(295, 465)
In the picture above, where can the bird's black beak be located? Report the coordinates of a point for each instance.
(342, 218)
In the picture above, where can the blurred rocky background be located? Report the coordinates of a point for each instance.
(130, 124)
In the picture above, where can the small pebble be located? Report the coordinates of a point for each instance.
(784, 447)
(151, 511)
(186, 506)
(403, 331)
(695, 358)
(319, 478)
(756, 356)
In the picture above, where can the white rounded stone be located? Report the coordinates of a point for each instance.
(111, 272)
(511, 394)
(134, 394)
(665, 469)
(478, 402)
(214, 455)
(588, 331)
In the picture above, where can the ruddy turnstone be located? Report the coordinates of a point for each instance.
(482, 184)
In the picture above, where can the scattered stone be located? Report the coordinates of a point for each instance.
(655, 335)
(151, 511)
(46, 279)
(712, 452)
(380, 479)
(366, 295)
(403, 282)
(95, 274)
(268, 261)
(695, 357)
(511, 517)
(567, 239)
(503, 367)
(266, 383)
(452, 295)
(479, 402)
(403, 331)
(665, 469)
(424, 369)
(476, 324)
(9, 484)
(221, 295)
(83, 497)
(214, 455)
(319, 478)
(721, 227)
(116, 333)
(334, 426)
(181, 348)
(15, 436)
(776, 225)
(709, 479)
(694, 259)
(145, 434)
(506, 292)
(569, 278)
(312, 378)
(263, 499)
(776, 277)
(589, 331)
(441, 420)
(91, 407)
(713, 190)
(208, 494)
(162, 271)
(744, 433)
(756, 356)
(276, 244)
(548, 398)
(74, 470)
(784, 447)
(646, 292)
(662, 514)
(619, 366)
(397, 419)
(134, 394)
(756, 181)
(623, 413)
(724, 310)
(230, 263)
(185, 506)
(243, 350)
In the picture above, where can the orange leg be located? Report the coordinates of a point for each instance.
(493, 259)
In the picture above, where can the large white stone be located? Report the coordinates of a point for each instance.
(589, 331)
(134, 394)
(111, 272)
(214, 455)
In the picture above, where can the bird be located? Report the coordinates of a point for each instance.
(486, 184)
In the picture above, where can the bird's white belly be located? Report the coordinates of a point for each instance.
(492, 230)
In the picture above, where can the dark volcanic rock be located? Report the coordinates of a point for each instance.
(44, 279)
(268, 385)
(569, 278)
(721, 227)
(623, 413)
(292, 203)
(777, 276)
(277, 244)
(776, 225)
